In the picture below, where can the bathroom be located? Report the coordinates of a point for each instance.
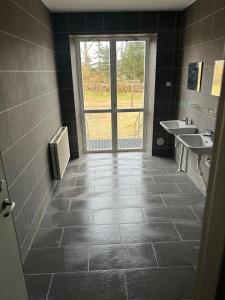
(128, 212)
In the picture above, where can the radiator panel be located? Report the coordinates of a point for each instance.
(60, 152)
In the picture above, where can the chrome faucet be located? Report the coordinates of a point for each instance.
(209, 133)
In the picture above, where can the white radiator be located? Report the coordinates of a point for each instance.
(60, 152)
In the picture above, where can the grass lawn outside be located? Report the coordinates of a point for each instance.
(98, 125)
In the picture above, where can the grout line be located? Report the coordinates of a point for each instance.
(202, 43)
(37, 227)
(69, 205)
(60, 241)
(178, 188)
(166, 169)
(194, 213)
(155, 255)
(116, 244)
(49, 287)
(31, 191)
(89, 257)
(28, 132)
(28, 101)
(92, 216)
(177, 232)
(142, 210)
(204, 18)
(27, 41)
(162, 197)
(153, 179)
(36, 19)
(121, 242)
(125, 279)
(105, 270)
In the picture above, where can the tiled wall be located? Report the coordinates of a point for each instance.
(29, 109)
(203, 40)
(165, 24)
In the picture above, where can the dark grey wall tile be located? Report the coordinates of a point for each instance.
(165, 59)
(62, 42)
(63, 61)
(148, 21)
(28, 91)
(130, 22)
(94, 22)
(203, 38)
(166, 40)
(112, 22)
(167, 20)
(61, 22)
(77, 23)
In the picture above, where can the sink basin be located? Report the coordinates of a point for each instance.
(178, 127)
(198, 143)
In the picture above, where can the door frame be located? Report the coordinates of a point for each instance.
(211, 267)
(113, 110)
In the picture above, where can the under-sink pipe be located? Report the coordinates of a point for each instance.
(199, 158)
(183, 149)
(181, 158)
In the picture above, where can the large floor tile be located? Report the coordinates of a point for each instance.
(152, 232)
(65, 219)
(184, 199)
(99, 285)
(94, 229)
(122, 257)
(58, 204)
(93, 203)
(161, 284)
(159, 188)
(169, 214)
(70, 192)
(56, 260)
(139, 201)
(118, 216)
(199, 211)
(177, 253)
(188, 188)
(189, 230)
(38, 286)
(47, 238)
(172, 179)
(127, 180)
(95, 181)
(147, 172)
(91, 235)
(126, 190)
(162, 163)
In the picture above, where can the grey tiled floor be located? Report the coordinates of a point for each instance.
(118, 227)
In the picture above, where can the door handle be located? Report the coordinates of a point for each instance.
(7, 207)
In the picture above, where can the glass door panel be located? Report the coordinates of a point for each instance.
(130, 130)
(95, 68)
(113, 93)
(130, 74)
(98, 131)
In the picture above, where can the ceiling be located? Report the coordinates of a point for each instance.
(116, 5)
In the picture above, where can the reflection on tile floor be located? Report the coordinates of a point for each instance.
(118, 227)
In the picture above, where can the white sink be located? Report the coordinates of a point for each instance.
(198, 143)
(178, 127)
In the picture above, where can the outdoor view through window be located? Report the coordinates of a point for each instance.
(98, 102)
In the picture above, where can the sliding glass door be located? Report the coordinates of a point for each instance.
(113, 98)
